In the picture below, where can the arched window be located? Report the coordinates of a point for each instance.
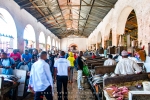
(57, 45)
(129, 28)
(8, 32)
(29, 37)
(48, 43)
(42, 41)
(53, 45)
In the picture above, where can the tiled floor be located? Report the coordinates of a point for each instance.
(74, 93)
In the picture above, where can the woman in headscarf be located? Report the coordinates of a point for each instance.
(72, 62)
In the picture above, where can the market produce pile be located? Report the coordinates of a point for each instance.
(117, 92)
(96, 79)
(9, 80)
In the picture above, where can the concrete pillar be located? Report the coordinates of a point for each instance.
(46, 42)
(20, 39)
(37, 40)
(114, 39)
(128, 40)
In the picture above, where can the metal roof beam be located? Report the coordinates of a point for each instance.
(85, 6)
(88, 15)
(91, 23)
(72, 6)
(50, 21)
(85, 2)
(60, 11)
(44, 17)
(52, 15)
(31, 1)
(106, 2)
(21, 1)
(65, 27)
(79, 14)
(39, 10)
(96, 17)
(81, 19)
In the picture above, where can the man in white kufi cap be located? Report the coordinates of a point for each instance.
(127, 66)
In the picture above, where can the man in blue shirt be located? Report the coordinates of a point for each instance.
(25, 60)
(7, 64)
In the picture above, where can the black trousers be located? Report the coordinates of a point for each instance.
(47, 93)
(62, 81)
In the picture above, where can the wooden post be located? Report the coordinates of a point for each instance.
(149, 49)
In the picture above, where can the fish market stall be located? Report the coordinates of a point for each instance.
(12, 86)
(118, 87)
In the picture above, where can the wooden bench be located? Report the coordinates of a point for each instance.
(104, 69)
(98, 89)
(89, 63)
(4, 90)
(96, 64)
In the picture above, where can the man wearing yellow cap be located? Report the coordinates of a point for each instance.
(127, 66)
(72, 62)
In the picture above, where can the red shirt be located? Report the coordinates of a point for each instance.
(75, 56)
(93, 56)
(16, 56)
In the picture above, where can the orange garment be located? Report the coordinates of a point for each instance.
(142, 55)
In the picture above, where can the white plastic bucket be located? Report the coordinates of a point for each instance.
(83, 79)
(146, 86)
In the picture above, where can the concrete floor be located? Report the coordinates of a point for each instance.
(74, 93)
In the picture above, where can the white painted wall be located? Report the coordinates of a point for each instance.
(80, 42)
(22, 18)
(116, 20)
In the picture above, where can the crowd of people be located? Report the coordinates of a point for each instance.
(15, 60)
(44, 68)
(125, 65)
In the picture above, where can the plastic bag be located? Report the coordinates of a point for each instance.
(24, 67)
(85, 71)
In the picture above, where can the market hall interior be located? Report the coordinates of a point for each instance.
(76, 25)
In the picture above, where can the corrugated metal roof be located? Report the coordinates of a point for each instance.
(68, 17)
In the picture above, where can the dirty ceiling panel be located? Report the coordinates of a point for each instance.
(68, 17)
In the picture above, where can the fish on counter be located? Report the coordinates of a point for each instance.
(118, 92)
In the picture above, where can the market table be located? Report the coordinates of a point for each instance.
(127, 80)
(132, 88)
(5, 90)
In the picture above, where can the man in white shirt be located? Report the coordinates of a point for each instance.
(110, 61)
(127, 66)
(62, 70)
(41, 81)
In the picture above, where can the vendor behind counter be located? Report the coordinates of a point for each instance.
(127, 66)
(7, 64)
